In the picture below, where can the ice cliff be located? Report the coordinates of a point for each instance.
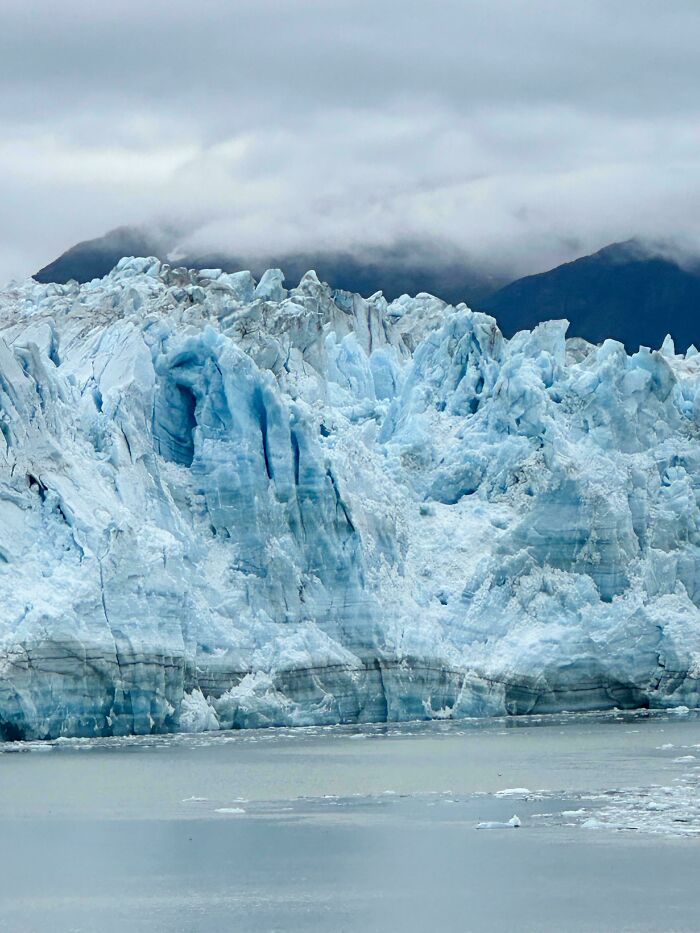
(225, 504)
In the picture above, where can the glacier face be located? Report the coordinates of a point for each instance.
(225, 504)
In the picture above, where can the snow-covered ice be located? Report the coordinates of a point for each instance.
(226, 504)
(513, 823)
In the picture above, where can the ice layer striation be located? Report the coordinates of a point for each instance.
(225, 505)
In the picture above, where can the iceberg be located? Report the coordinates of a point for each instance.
(229, 504)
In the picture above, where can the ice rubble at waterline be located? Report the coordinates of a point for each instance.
(225, 504)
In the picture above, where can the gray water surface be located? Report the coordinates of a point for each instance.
(359, 829)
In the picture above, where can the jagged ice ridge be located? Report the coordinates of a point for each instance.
(224, 504)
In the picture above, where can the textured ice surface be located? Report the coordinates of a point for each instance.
(225, 504)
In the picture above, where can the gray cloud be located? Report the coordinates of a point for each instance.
(516, 132)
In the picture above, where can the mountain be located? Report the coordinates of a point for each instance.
(224, 505)
(408, 268)
(93, 259)
(626, 291)
(623, 291)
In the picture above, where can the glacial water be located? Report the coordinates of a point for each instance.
(383, 828)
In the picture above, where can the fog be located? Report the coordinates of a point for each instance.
(515, 134)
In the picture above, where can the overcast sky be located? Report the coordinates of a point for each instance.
(519, 133)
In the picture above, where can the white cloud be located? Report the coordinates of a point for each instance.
(519, 133)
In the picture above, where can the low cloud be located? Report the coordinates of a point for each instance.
(517, 135)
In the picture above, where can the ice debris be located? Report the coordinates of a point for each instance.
(513, 823)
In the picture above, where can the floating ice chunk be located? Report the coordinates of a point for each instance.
(513, 823)
(594, 823)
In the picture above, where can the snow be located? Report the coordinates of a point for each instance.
(228, 504)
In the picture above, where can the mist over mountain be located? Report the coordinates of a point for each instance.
(633, 292)
(407, 268)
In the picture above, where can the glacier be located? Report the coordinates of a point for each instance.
(226, 504)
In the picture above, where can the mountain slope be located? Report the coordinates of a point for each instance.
(93, 259)
(409, 268)
(621, 291)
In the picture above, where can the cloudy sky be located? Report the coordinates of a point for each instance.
(519, 133)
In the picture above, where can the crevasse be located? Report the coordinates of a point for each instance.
(225, 504)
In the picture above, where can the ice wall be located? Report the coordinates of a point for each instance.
(225, 504)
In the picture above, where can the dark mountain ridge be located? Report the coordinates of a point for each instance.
(628, 291)
(408, 268)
